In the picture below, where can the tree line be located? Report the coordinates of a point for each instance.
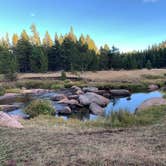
(31, 54)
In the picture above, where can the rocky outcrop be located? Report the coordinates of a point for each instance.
(151, 102)
(120, 92)
(153, 87)
(90, 97)
(58, 97)
(9, 121)
(96, 109)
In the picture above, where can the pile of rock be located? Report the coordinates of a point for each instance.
(90, 97)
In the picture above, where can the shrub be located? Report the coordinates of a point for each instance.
(63, 75)
(10, 76)
(2, 91)
(39, 107)
(57, 86)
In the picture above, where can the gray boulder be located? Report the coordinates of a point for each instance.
(120, 92)
(91, 97)
(96, 109)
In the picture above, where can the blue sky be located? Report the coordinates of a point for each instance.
(127, 24)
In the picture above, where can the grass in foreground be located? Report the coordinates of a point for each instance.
(45, 141)
(115, 119)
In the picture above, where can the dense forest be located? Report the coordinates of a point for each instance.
(26, 53)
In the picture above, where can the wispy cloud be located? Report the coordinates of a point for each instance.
(150, 1)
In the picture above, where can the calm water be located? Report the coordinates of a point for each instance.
(129, 104)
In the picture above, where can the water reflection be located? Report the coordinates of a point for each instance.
(130, 103)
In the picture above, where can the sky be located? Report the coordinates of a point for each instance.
(127, 24)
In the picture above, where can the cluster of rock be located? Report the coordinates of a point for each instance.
(90, 97)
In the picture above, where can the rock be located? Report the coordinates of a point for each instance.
(34, 91)
(75, 97)
(58, 97)
(120, 92)
(96, 109)
(91, 97)
(64, 110)
(69, 102)
(8, 108)
(152, 102)
(9, 96)
(90, 89)
(79, 92)
(153, 87)
(76, 88)
(9, 121)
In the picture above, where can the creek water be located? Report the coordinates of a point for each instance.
(125, 103)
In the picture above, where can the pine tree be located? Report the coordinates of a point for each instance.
(24, 36)
(47, 41)
(15, 39)
(35, 38)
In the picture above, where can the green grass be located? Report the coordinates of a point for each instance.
(2, 91)
(152, 77)
(115, 119)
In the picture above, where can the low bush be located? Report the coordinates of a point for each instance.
(39, 107)
(57, 86)
(63, 75)
(2, 91)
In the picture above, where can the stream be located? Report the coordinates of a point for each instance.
(125, 103)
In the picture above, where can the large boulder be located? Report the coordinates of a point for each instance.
(153, 87)
(58, 97)
(91, 97)
(9, 121)
(152, 102)
(120, 92)
(96, 109)
(90, 89)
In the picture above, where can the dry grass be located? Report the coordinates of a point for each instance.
(101, 75)
(42, 143)
(64, 146)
